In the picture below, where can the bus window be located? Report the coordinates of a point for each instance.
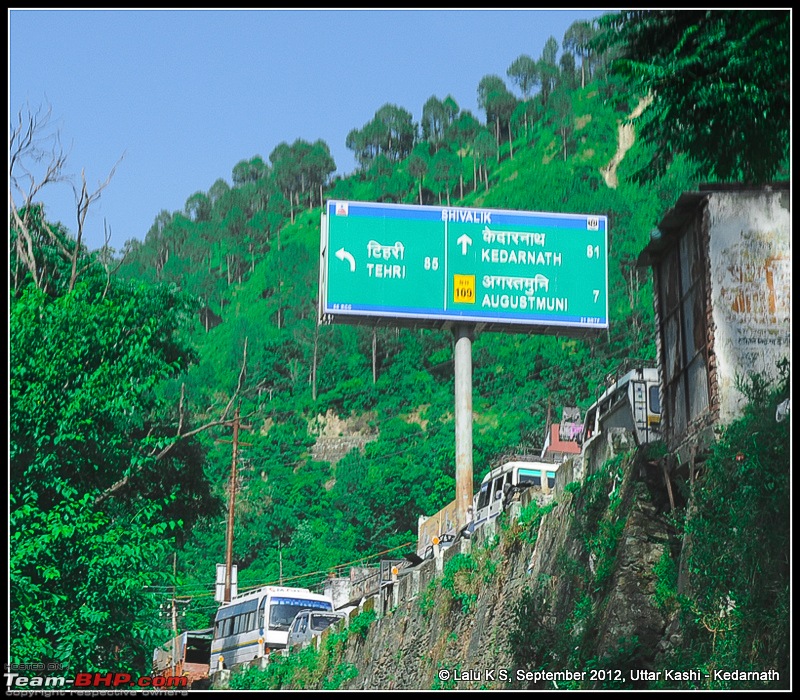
(529, 477)
(497, 488)
(551, 479)
(197, 651)
(654, 400)
(296, 625)
(262, 606)
(483, 495)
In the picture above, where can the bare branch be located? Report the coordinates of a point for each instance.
(222, 420)
(180, 407)
(106, 252)
(83, 201)
(31, 141)
(36, 160)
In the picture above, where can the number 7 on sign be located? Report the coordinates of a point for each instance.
(596, 293)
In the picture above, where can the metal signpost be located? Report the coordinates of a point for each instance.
(468, 269)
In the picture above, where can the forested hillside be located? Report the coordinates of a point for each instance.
(216, 308)
(250, 251)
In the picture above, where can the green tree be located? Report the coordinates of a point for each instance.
(391, 132)
(524, 73)
(249, 170)
(719, 80)
(451, 111)
(318, 167)
(445, 168)
(548, 68)
(577, 39)
(418, 166)
(561, 104)
(566, 67)
(101, 486)
(198, 207)
(499, 104)
(398, 132)
(434, 122)
(463, 132)
(485, 149)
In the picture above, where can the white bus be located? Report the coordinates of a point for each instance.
(257, 622)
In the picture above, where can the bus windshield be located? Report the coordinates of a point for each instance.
(283, 610)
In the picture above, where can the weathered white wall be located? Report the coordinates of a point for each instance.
(751, 258)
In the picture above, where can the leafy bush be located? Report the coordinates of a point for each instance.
(459, 578)
(737, 615)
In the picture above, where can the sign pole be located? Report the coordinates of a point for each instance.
(463, 405)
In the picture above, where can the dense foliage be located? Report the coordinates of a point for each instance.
(720, 84)
(736, 606)
(94, 510)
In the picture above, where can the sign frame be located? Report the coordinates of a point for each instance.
(468, 258)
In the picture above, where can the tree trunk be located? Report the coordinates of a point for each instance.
(280, 279)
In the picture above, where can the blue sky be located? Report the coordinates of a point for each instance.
(184, 95)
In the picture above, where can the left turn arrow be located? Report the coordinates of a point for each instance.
(342, 254)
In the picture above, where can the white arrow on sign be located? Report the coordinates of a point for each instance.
(342, 254)
(464, 241)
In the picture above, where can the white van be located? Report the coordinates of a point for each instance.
(309, 624)
(498, 486)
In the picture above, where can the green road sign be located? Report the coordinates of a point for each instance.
(425, 265)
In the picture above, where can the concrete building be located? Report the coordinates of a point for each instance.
(721, 260)
(556, 448)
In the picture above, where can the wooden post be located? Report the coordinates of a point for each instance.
(232, 502)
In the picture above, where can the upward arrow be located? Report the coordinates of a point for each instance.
(464, 241)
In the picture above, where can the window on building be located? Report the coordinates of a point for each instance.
(682, 326)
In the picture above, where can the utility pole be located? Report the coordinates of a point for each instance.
(232, 501)
(174, 613)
